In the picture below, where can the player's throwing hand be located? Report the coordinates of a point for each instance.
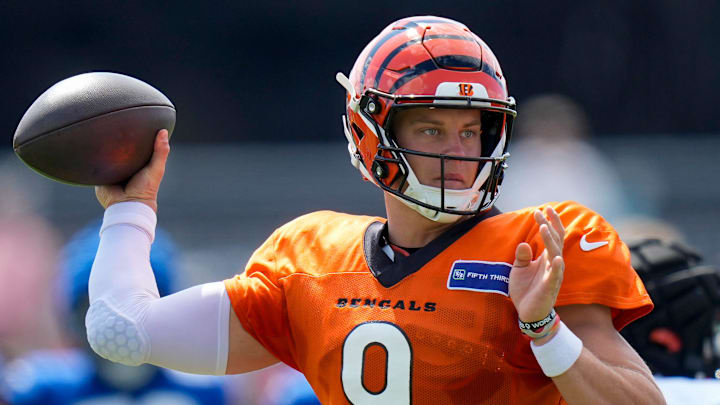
(143, 186)
(534, 284)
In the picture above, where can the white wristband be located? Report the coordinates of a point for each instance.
(558, 354)
(132, 213)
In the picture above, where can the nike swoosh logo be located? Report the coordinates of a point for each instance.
(588, 246)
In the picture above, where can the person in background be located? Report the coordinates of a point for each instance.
(75, 375)
(28, 257)
(680, 339)
(551, 147)
(28, 265)
(274, 385)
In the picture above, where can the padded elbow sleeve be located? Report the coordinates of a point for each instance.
(186, 331)
(129, 323)
(118, 336)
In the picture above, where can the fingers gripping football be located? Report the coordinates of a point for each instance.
(144, 185)
(535, 284)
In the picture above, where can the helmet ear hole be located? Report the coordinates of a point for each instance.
(380, 169)
(358, 132)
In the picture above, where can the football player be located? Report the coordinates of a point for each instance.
(446, 301)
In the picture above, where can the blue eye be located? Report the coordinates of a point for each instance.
(430, 131)
(467, 133)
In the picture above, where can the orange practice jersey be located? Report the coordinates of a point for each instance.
(435, 327)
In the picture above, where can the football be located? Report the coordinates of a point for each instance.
(95, 128)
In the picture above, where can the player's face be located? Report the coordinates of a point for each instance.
(453, 132)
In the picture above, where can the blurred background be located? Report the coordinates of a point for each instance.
(617, 109)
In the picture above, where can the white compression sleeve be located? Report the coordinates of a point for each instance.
(127, 321)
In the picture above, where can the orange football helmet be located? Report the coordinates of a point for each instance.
(427, 62)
